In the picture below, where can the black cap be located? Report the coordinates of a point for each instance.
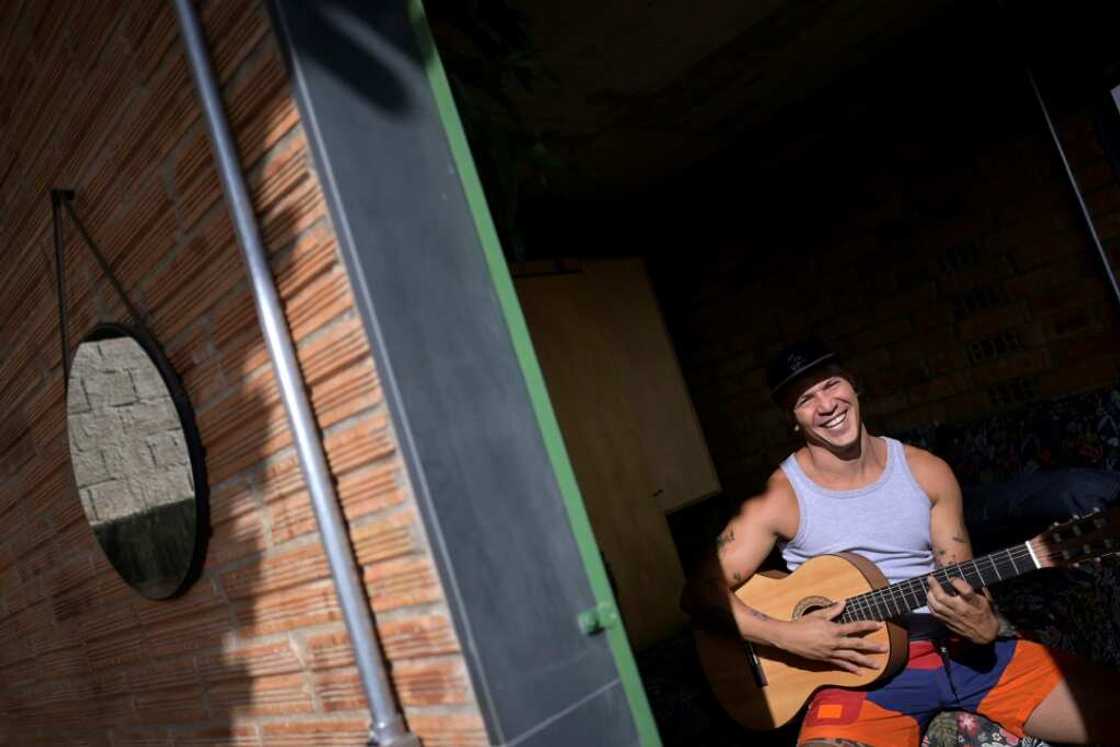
(795, 360)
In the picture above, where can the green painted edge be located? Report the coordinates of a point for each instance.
(530, 368)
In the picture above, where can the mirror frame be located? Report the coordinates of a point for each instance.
(195, 450)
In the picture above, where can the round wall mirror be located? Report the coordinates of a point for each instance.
(137, 460)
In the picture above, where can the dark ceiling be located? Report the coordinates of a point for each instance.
(593, 113)
(609, 96)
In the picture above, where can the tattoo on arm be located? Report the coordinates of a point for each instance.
(944, 556)
(724, 540)
(758, 615)
(948, 555)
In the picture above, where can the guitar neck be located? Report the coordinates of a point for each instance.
(906, 596)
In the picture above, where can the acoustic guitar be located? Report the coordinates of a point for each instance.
(763, 687)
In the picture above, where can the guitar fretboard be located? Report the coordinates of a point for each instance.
(905, 596)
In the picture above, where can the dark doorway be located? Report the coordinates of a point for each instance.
(879, 173)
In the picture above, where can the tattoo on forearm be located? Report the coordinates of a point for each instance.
(943, 556)
(758, 615)
(723, 540)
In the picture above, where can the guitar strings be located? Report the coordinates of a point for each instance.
(895, 599)
(882, 603)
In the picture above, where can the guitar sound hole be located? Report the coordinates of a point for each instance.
(810, 604)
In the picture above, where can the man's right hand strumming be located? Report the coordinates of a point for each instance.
(844, 645)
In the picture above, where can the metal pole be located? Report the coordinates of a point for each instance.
(387, 725)
(1073, 183)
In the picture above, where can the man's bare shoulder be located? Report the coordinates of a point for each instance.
(931, 471)
(775, 506)
(778, 488)
(926, 461)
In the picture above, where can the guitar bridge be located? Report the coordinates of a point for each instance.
(756, 666)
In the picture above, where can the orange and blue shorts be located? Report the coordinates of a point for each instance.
(1004, 682)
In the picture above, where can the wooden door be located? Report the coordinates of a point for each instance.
(628, 425)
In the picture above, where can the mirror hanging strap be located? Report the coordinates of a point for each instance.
(57, 197)
(64, 198)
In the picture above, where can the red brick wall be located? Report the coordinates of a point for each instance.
(948, 262)
(97, 96)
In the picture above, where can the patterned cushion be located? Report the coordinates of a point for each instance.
(960, 729)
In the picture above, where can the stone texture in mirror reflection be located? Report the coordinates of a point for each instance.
(130, 462)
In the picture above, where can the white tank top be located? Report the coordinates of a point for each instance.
(886, 522)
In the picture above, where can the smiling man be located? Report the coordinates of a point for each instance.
(846, 490)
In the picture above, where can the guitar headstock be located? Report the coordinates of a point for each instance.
(1080, 540)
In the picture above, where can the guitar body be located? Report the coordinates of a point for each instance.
(789, 680)
(763, 687)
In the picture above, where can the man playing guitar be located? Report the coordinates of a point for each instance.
(845, 490)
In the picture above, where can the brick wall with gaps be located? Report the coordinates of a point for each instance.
(960, 286)
(97, 96)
